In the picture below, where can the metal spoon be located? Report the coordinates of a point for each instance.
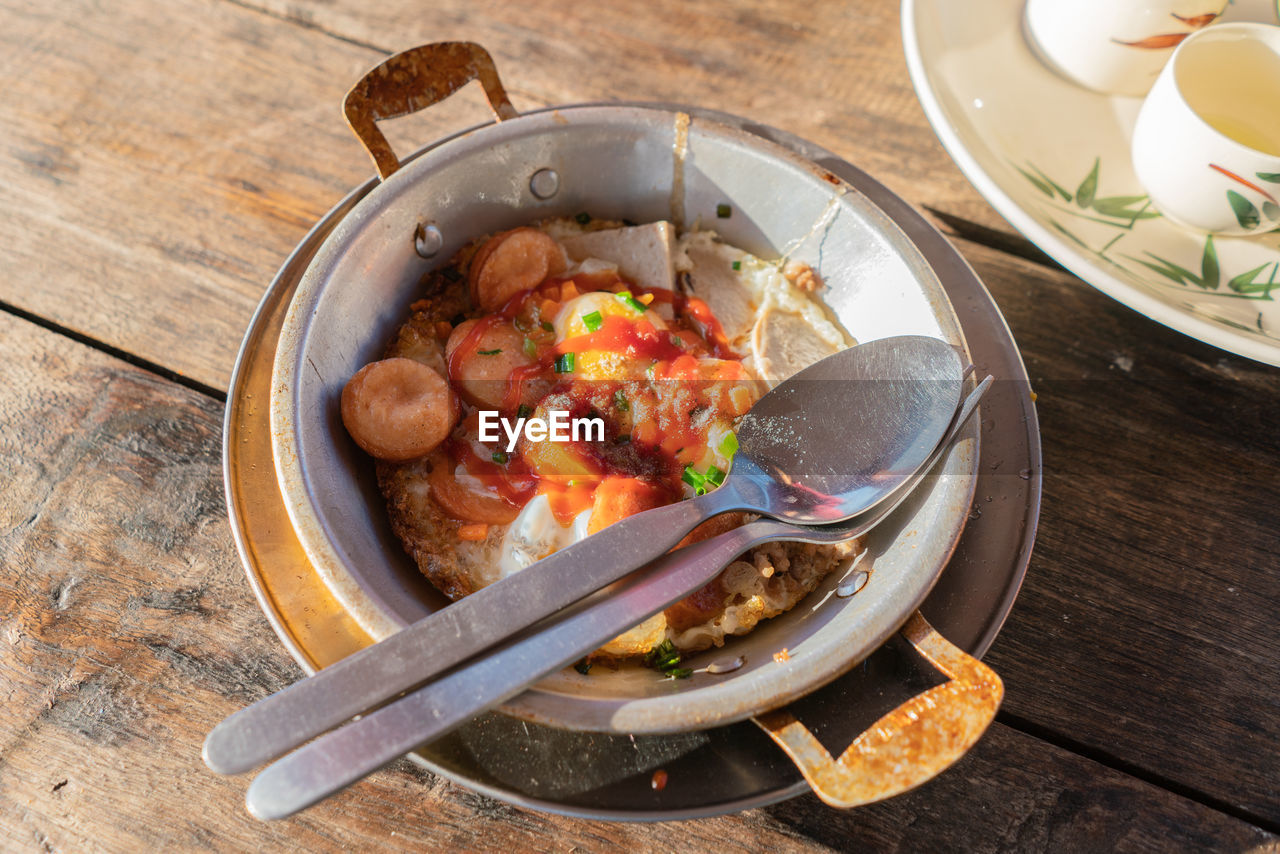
(343, 756)
(831, 442)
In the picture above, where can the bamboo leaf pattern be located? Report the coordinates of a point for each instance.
(1121, 213)
(1089, 186)
(1178, 275)
(1039, 184)
(1119, 207)
(1234, 324)
(1244, 284)
(1210, 271)
(1116, 211)
(1066, 197)
(1067, 233)
(1246, 214)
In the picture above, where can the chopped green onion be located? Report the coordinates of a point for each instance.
(583, 218)
(620, 401)
(500, 457)
(564, 363)
(530, 348)
(698, 481)
(677, 340)
(661, 654)
(488, 352)
(723, 211)
(729, 445)
(582, 666)
(548, 326)
(666, 658)
(701, 483)
(737, 265)
(524, 411)
(630, 301)
(592, 321)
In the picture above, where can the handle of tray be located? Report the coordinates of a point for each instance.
(910, 745)
(414, 80)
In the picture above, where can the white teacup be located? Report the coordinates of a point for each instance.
(1114, 46)
(1207, 143)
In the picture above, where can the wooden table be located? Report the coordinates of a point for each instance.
(158, 160)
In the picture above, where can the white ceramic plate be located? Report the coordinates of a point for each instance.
(1053, 159)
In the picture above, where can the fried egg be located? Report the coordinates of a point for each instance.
(767, 318)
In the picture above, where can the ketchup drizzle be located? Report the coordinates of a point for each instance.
(666, 438)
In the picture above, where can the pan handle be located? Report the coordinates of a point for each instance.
(413, 80)
(910, 745)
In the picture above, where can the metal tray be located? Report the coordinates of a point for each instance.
(713, 771)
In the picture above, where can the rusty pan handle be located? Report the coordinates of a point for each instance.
(414, 80)
(910, 745)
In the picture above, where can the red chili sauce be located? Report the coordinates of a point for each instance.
(651, 414)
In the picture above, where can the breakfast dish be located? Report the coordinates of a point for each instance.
(355, 293)
(652, 342)
(718, 769)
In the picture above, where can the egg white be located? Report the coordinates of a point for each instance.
(536, 533)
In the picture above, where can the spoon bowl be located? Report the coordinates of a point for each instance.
(837, 438)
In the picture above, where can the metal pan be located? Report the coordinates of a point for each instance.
(634, 162)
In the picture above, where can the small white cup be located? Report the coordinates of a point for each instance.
(1114, 46)
(1207, 142)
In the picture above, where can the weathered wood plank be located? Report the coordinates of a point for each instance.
(1011, 794)
(1146, 626)
(158, 161)
(164, 158)
(832, 72)
(128, 631)
(161, 159)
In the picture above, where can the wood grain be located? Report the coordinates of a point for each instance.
(1146, 626)
(129, 630)
(1005, 795)
(161, 159)
(831, 71)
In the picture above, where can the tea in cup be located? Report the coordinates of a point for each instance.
(1114, 46)
(1206, 145)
